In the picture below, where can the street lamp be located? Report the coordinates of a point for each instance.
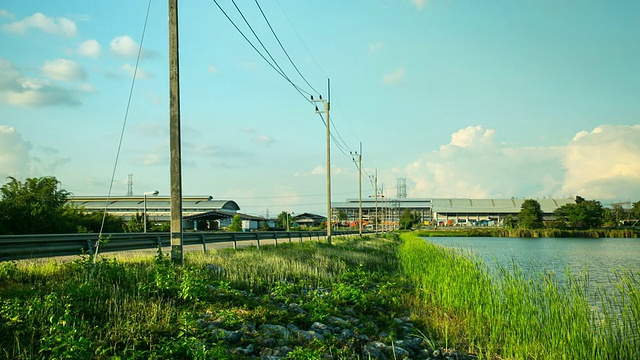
(144, 214)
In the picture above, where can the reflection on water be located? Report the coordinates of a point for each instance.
(610, 269)
(597, 258)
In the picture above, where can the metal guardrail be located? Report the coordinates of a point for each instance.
(16, 247)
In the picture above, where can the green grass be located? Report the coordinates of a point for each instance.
(528, 233)
(521, 316)
(149, 308)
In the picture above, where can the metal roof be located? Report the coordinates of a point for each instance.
(154, 203)
(454, 205)
(370, 203)
(493, 205)
(216, 215)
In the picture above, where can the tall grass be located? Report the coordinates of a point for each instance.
(149, 308)
(521, 316)
(529, 233)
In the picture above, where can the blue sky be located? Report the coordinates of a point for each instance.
(493, 99)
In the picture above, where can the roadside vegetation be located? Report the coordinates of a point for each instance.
(513, 315)
(149, 308)
(391, 289)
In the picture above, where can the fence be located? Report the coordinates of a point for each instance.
(14, 247)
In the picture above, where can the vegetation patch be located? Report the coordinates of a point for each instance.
(371, 298)
(520, 316)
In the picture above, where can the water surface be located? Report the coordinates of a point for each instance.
(596, 257)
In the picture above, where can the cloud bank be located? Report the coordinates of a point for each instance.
(60, 26)
(14, 154)
(601, 164)
(19, 90)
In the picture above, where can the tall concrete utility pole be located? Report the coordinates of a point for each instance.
(376, 187)
(359, 190)
(326, 110)
(174, 137)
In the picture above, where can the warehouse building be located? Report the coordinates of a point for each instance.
(440, 212)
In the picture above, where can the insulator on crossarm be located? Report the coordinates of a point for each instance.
(317, 109)
(311, 97)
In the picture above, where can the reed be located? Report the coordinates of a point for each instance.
(522, 316)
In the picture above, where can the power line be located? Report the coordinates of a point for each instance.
(339, 142)
(124, 125)
(302, 92)
(300, 38)
(283, 49)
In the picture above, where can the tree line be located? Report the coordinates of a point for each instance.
(583, 215)
(40, 206)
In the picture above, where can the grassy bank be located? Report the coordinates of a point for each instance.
(521, 316)
(148, 308)
(529, 233)
(145, 308)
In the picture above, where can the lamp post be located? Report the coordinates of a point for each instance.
(144, 214)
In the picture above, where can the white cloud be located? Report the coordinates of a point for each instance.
(124, 46)
(90, 48)
(394, 76)
(315, 171)
(475, 165)
(320, 170)
(140, 73)
(18, 90)
(263, 140)
(63, 70)
(472, 136)
(212, 69)
(601, 164)
(6, 14)
(420, 4)
(604, 163)
(60, 26)
(14, 154)
(376, 46)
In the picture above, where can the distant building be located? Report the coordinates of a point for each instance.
(306, 220)
(441, 212)
(198, 212)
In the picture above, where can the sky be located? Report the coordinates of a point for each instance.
(462, 99)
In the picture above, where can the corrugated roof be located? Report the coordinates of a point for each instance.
(154, 203)
(493, 205)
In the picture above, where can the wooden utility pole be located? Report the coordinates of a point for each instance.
(174, 137)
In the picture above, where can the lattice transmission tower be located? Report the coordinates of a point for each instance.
(130, 185)
(401, 188)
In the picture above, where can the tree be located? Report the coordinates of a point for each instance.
(32, 207)
(135, 224)
(609, 217)
(530, 215)
(282, 219)
(407, 220)
(236, 223)
(584, 214)
(618, 213)
(635, 210)
(510, 222)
